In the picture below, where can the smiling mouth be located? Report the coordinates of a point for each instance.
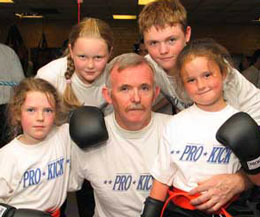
(204, 92)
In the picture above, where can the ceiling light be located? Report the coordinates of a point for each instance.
(124, 17)
(28, 15)
(144, 2)
(6, 1)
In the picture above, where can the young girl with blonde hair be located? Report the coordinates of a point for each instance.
(79, 75)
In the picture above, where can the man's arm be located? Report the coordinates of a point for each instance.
(15, 67)
(218, 190)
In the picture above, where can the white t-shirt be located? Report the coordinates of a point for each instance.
(36, 176)
(119, 170)
(252, 74)
(10, 71)
(91, 94)
(238, 91)
(189, 151)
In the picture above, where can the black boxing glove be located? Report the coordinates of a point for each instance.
(87, 126)
(241, 134)
(10, 211)
(152, 207)
(6, 210)
(30, 213)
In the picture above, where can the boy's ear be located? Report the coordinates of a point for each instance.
(188, 34)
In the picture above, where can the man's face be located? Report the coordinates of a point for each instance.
(165, 44)
(132, 94)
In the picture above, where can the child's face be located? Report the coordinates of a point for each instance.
(90, 56)
(203, 82)
(37, 117)
(164, 45)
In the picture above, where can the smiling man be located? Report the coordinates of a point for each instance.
(119, 169)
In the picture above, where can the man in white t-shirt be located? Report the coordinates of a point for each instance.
(163, 25)
(11, 73)
(119, 169)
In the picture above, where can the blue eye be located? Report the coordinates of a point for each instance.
(48, 110)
